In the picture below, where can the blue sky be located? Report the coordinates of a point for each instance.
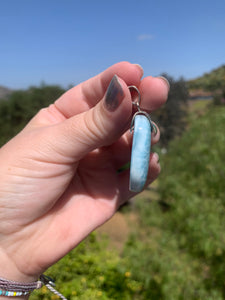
(65, 42)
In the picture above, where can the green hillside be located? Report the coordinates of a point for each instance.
(212, 81)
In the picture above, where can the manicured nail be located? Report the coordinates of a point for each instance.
(140, 68)
(154, 128)
(165, 80)
(114, 94)
(156, 157)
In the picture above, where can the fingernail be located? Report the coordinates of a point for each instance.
(156, 157)
(114, 94)
(166, 81)
(154, 128)
(140, 68)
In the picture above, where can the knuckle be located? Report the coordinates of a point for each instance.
(95, 129)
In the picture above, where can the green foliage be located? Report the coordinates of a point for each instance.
(91, 271)
(212, 81)
(190, 231)
(219, 97)
(171, 116)
(197, 157)
(21, 106)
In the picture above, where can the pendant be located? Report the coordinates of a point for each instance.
(140, 155)
(141, 146)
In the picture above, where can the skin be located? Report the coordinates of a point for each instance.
(58, 176)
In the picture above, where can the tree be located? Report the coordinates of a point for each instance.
(22, 105)
(171, 117)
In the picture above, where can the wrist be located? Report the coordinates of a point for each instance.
(10, 288)
(12, 271)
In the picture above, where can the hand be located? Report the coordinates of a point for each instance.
(59, 178)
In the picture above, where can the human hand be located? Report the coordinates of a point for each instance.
(59, 178)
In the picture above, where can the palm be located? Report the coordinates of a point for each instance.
(61, 183)
(78, 198)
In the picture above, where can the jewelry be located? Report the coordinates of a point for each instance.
(142, 127)
(13, 294)
(12, 288)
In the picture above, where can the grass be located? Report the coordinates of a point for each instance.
(197, 108)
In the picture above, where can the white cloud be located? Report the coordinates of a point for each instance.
(144, 37)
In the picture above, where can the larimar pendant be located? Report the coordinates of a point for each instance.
(141, 147)
(140, 154)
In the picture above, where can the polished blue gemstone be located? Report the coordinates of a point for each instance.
(140, 154)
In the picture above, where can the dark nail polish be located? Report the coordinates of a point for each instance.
(114, 94)
(154, 128)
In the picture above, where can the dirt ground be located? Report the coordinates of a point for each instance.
(121, 224)
(117, 229)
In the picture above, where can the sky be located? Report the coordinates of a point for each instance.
(65, 42)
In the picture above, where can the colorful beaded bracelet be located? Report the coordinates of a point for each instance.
(13, 288)
(10, 288)
(13, 294)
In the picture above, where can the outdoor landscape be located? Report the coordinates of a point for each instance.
(169, 242)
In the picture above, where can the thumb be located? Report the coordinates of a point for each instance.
(100, 126)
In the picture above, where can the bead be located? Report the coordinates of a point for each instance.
(140, 154)
(12, 294)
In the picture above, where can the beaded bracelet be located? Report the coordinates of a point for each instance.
(14, 288)
(13, 294)
(10, 288)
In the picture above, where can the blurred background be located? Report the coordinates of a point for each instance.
(170, 242)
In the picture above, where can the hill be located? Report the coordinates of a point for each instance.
(209, 82)
(4, 92)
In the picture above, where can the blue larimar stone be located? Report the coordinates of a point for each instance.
(140, 154)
